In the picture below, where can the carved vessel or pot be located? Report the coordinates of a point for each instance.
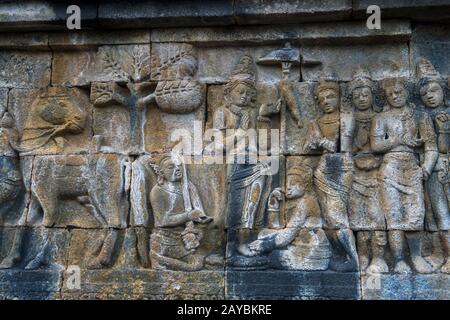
(179, 96)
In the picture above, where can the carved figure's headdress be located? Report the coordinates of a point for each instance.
(327, 81)
(305, 170)
(425, 72)
(361, 78)
(392, 82)
(243, 73)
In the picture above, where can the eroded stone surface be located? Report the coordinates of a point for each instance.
(115, 167)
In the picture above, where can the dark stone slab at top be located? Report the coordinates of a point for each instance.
(418, 10)
(44, 15)
(154, 13)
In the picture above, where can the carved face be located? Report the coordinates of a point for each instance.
(396, 96)
(294, 189)
(328, 100)
(171, 171)
(362, 98)
(240, 95)
(432, 95)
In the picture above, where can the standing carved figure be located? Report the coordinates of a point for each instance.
(365, 214)
(176, 207)
(396, 133)
(431, 92)
(333, 175)
(247, 183)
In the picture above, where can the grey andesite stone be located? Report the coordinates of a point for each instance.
(92, 122)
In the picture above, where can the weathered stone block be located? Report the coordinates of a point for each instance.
(56, 120)
(308, 33)
(292, 285)
(45, 15)
(161, 128)
(432, 43)
(22, 69)
(29, 40)
(264, 11)
(148, 284)
(94, 38)
(382, 61)
(419, 10)
(405, 286)
(107, 63)
(38, 248)
(144, 14)
(30, 284)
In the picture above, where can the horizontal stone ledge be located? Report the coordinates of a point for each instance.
(43, 15)
(94, 38)
(418, 10)
(40, 15)
(154, 13)
(291, 11)
(338, 32)
(28, 40)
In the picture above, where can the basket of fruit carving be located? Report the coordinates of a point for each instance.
(179, 96)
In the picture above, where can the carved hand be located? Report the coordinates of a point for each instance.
(327, 145)
(410, 141)
(275, 198)
(285, 87)
(442, 120)
(426, 174)
(256, 247)
(199, 216)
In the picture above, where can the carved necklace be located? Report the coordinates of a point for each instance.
(170, 189)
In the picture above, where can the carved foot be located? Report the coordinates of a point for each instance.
(95, 264)
(248, 263)
(402, 267)
(421, 265)
(38, 262)
(364, 261)
(343, 266)
(215, 259)
(48, 222)
(446, 267)
(9, 262)
(435, 261)
(244, 250)
(378, 265)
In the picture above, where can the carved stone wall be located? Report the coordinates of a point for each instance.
(95, 187)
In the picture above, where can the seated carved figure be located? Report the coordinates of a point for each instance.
(302, 244)
(177, 207)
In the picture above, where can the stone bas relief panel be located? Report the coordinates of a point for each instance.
(91, 177)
